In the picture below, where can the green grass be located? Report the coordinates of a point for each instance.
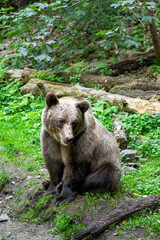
(20, 124)
(148, 219)
(67, 225)
(20, 137)
(3, 178)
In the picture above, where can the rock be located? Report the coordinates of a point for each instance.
(9, 234)
(8, 197)
(4, 217)
(129, 155)
(38, 177)
(127, 170)
(29, 177)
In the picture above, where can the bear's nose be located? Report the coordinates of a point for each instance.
(70, 139)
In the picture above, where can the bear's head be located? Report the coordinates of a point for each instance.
(64, 118)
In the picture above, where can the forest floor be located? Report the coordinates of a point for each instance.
(14, 229)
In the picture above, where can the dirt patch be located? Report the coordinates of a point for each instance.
(24, 231)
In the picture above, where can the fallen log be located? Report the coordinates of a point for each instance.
(119, 132)
(128, 207)
(129, 64)
(143, 88)
(108, 83)
(127, 104)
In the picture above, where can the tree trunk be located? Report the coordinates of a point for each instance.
(155, 39)
(154, 35)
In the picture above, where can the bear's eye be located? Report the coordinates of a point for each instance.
(74, 124)
(61, 122)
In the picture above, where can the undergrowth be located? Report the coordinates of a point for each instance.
(20, 124)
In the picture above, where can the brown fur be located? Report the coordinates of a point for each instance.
(79, 152)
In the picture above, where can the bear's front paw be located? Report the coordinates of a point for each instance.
(63, 199)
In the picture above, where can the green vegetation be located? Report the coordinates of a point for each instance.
(67, 225)
(60, 39)
(104, 112)
(35, 210)
(20, 122)
(20, 125)
(147, 218)
(144, 134)
(91, 29)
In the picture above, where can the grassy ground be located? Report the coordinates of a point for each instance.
(20, 124)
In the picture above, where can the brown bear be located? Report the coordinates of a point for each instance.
(79, 152)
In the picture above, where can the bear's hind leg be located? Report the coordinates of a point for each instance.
(106, 177)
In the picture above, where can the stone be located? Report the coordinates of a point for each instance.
(4, 217)
(127, 170)
(8, 197)
(129, 155)
(29, 177)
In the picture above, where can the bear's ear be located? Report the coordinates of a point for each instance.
(51, 99)
(83, 106)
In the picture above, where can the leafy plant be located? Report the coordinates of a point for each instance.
(77, 21)
(137, 125)
(104, 112)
